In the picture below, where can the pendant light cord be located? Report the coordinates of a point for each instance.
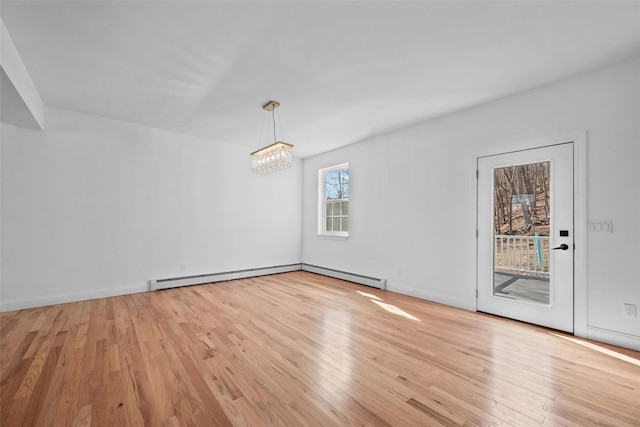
(273, 116)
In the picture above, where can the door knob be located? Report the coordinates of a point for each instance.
(563, 246)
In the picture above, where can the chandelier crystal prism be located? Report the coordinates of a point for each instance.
(274, 157)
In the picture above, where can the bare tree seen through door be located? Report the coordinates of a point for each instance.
(522, 217)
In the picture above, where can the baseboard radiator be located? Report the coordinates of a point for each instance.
(175, 282)
(344, 275)
(199, 279)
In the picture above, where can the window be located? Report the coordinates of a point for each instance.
(333, 200)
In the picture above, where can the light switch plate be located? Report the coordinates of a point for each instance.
(600, 226)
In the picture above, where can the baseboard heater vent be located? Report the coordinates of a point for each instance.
(351, 277)
(199, 279)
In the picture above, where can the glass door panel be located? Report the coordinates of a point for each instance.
(521, 224)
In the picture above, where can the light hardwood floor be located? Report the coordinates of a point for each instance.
(299, 349)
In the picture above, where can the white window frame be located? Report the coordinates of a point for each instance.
(322, 202)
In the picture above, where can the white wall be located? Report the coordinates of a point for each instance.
(94, 207)
(411, 193)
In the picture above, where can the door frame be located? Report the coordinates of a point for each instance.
(579, 140)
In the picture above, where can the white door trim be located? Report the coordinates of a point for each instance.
(579, 139)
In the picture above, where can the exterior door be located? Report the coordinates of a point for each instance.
(525, 236)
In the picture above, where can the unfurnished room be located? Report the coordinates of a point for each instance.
(319, 213)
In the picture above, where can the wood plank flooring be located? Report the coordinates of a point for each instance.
(299, 349)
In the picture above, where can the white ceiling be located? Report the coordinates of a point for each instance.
(343, 71)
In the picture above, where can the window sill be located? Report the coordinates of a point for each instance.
(336, 237)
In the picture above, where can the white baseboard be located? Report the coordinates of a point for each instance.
(433, 297)
(615, 338)
(344, 275)
(22, 303)
(200, 279)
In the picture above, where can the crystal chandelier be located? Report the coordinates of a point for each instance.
(276, 156)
